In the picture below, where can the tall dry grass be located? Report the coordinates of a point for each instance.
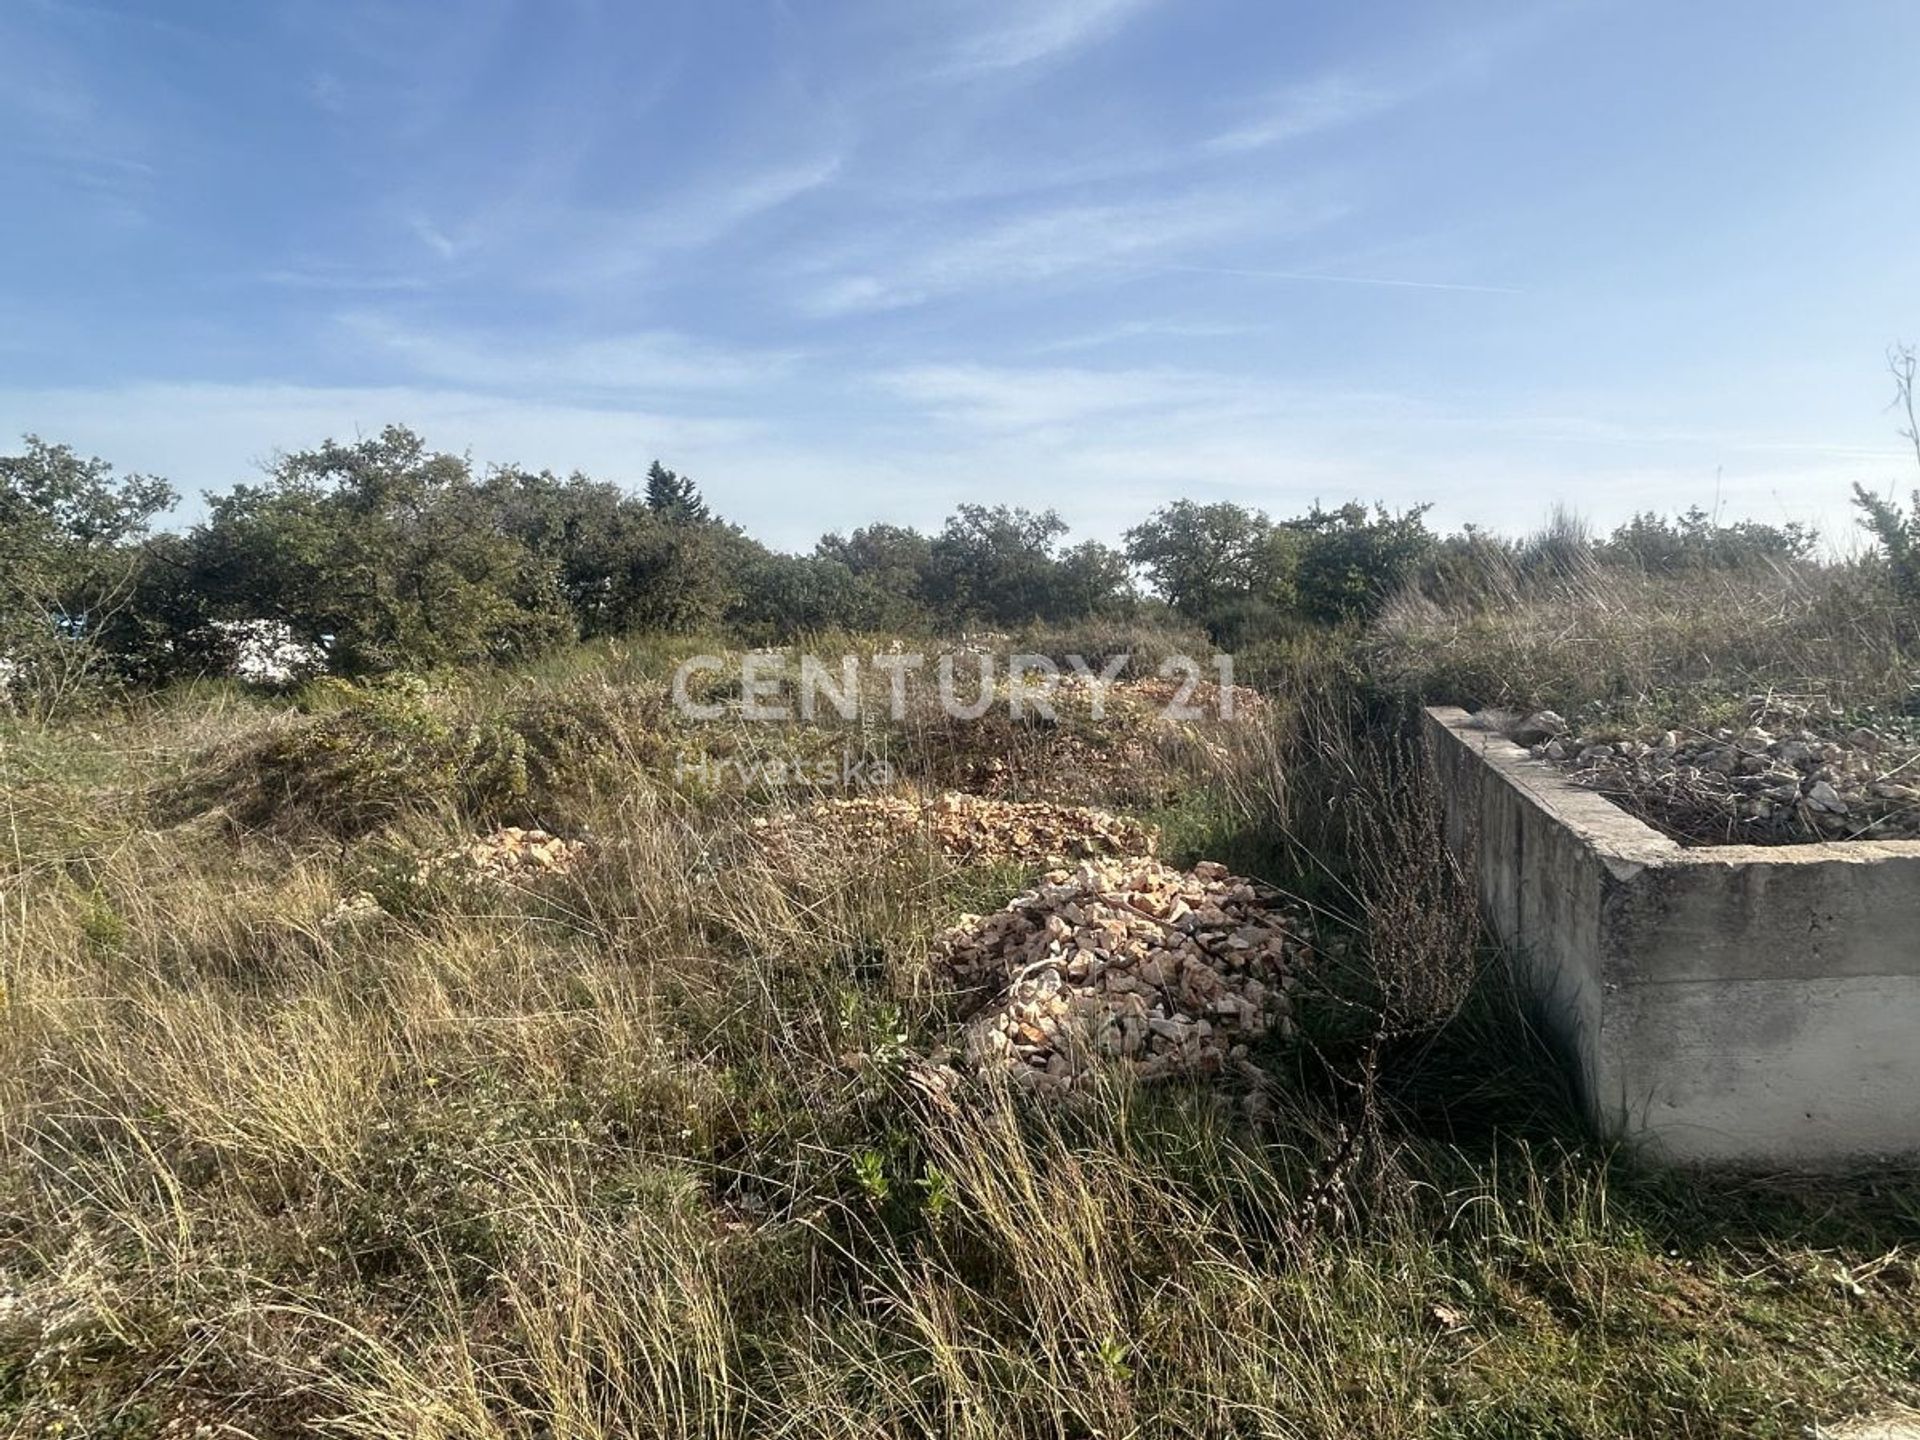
(667, 1148)
(1581, 635)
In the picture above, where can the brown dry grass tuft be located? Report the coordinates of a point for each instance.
(1652, 648)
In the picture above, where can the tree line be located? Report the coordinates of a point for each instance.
(384, 554)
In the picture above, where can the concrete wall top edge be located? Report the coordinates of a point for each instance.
(1616, 836)
(1619, 836)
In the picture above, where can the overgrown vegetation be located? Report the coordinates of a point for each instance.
(383, 556)
(666, 1144)
(1897, 529)
(304, 1130)
(1653, 649)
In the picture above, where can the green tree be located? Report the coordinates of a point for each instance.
(788, 595)
(674, 497)
(1089, 579)
(624, 564)
(997, 564)
(1351, 559)
(70, 561)
(1209, 561)
(386, 552)
(890, 565)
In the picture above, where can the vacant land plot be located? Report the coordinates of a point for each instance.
(327, 1099)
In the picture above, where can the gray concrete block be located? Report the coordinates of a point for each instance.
(1722, 1003)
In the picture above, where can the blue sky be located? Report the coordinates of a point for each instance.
(846, 261)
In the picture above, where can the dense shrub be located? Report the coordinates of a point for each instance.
(384, 556)
(1239, 573)
(376, 753)
(1897, 530)
(1352, 560)
(890, 563)
(787, 595)
(367, 755)
(1696, 540)
(1898, 534)
(70, 563)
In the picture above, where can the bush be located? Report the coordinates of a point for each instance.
(787, 595)
(380, 752)
(371, 754)
(1696, 540)
(1353, 560)
(1898, 532)
(69, 557)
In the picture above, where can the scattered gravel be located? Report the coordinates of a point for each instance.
(1795, 774)
(1127, 963)
(516, 854)
(966, 827)
(509, 856)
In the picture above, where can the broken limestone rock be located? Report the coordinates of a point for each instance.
(1538, 728)
(1127, 963)
(965, 827)
(512, 853)
(1793, 774)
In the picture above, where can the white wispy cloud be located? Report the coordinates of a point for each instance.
(207, 436)
(1034, 30)
(700, 215)
(1320, 277)
(610, 247)
(434, 238)
(1010, 398)
(1327, 102)
(340, 276)
(1054, 243)
(652, 360)
(1128, 331)
(58, 121)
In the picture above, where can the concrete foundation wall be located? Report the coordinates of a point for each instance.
(1727, 1003)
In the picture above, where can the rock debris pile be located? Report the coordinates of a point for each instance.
(516, 854)
(966, 827)
(1129, 963)
(1785, 780)
(510, 855)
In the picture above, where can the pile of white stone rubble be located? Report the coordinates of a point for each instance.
(965, 827)
(1129, 964)
(509, 856)
(512, 853)
(1787, 777)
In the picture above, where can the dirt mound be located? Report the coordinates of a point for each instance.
(1127, 962)
(966, 827)
(1137, 751)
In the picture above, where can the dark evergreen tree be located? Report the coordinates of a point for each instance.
(674, 497)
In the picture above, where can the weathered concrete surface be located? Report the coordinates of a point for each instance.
(1727, 1003)
(1903, 1425)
